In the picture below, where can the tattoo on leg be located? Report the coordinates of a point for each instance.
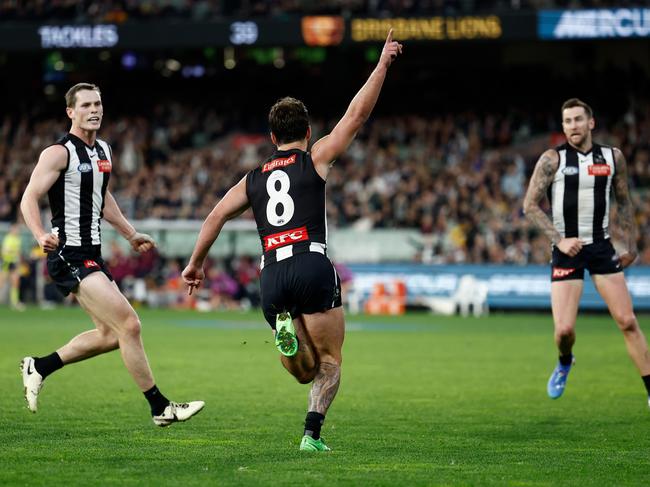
(326, 384)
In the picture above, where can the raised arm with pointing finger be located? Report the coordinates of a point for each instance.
(323, 153)
(327, 149)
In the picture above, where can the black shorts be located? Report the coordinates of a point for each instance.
(68, 266)
(597, 258)
(303, 284)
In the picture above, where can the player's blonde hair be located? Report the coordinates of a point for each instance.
(71, 95)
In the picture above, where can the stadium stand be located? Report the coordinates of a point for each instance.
(447, 155)
(124, 10)
(458, 179)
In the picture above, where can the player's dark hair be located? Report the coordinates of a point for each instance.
(576, 102)
(71, 95)
(288, 120)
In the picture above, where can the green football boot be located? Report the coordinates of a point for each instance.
(309, 444)
(285, 335)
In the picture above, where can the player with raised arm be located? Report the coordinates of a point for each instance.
(301, 293)
(74, 173)
(578, 178)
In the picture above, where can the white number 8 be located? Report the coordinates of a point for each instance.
(279, 197)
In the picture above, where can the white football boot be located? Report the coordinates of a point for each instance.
(33, 382)
(177, 412)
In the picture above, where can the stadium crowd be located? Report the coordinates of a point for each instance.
(459, 178)
(124, 10)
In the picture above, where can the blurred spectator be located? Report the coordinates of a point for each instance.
(11, 267)
(223, 288)
(118, 11)
(458, 178)
(120, 265)
(246, 272)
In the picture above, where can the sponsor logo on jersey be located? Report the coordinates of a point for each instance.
(104, 165)
(599, 170)
(88, 264)
(285, 238)
(84, 167)
(559, 272)
(276, 163)
(570, 171)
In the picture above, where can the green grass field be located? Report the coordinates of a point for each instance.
(424, 400)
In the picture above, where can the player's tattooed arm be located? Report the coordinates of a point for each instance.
(326, 384)
(625, 211)
(541, 179)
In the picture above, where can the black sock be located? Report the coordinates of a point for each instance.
(566, 359)
(313, 423)
(646, 381)
(46, 365)
(157, 401)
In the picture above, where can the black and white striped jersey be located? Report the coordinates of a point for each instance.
(287, 196)
(580, 193)
(77, 196)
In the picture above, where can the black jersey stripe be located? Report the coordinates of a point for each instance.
(56, 196)
(600, 196)
(86, 194)
(571, 185)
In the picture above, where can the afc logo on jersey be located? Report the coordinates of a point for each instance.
(285, 238)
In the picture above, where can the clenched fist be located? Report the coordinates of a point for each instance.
(141, 242)
(48, 242)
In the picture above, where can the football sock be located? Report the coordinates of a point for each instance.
(566, 359)
(157, 401)
(313, 424)
(46, 365)
(646, 381)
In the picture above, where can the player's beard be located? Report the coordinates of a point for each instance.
(578, 140)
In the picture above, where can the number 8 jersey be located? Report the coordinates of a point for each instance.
(288, 200)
